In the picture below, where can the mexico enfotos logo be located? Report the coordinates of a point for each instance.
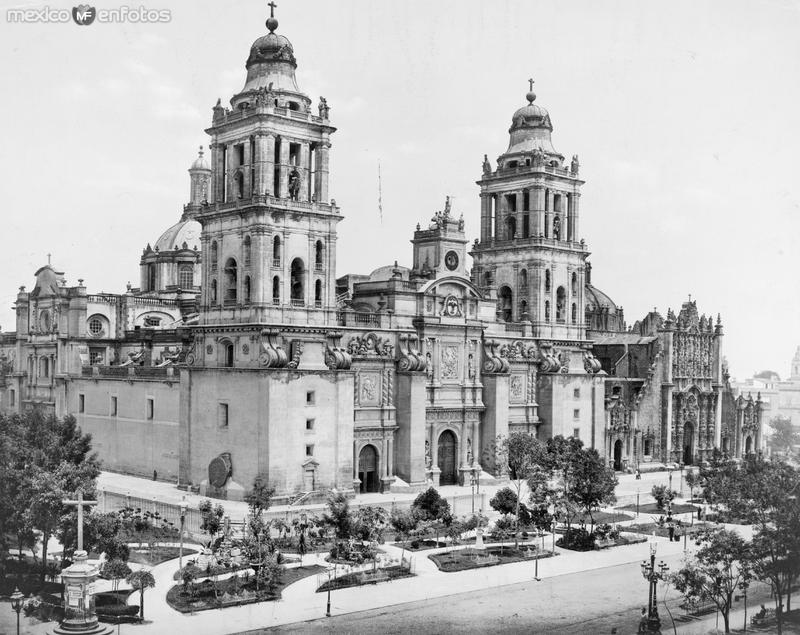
(84, 15)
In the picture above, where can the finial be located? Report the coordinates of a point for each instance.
(531, 96)
(200, 153)
(272, 23)
(48, 259)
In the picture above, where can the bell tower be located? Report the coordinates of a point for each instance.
(530, 253)
(269, 229)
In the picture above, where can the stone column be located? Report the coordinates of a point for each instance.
(498, 214)
(495, 417)
(283, 186)
(486, 217)
(575, 200)
(411, 427)
(218, 161)
(248, 188)
(321, 173)
(537, 207)
(548, 219)
(268, 185)
(476, 446)
(305, 172)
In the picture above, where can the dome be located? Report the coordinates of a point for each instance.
(531, 111)
(187, 231)
(200, 163)
(530, 131)
(596, 299)
(271, 48)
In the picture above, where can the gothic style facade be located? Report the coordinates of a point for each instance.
(241, 354)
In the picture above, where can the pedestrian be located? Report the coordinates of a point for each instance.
(155, 475)
(699, 510)
(643, 622)
(638, 474)
(671, 528)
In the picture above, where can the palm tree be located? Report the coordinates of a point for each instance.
(141, 579)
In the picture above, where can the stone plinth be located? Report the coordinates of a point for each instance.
(79, 615)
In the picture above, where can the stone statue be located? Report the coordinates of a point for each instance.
(323, 108)
(446, 213)
(428, 457)
(461, 223)
(469, 451)
(575, 165)
(487, 167)
(556, 227)
(538, 157)
(294, 184)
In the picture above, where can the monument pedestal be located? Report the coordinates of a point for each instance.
(79, 615)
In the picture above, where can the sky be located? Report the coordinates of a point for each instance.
(683, 113)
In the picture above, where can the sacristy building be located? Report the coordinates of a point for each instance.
(241, 353)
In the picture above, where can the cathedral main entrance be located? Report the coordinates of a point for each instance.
(618, 456)
(368, 469)
(688, 444)
(447, 458)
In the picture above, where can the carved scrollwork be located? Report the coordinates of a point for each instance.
(370, 345)
(492, 361)
(337, 358)
(272, 354)
(410, 357)
(590, 363)
(549, 361)
(297, 351)
(517, 350)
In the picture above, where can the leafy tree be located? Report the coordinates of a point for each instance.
(259, 501)
(101, 533)
(188, 576)
(404, 522)
(369, 523)
(784, 436)
(211, 518)
(663, 495)
(141, 580)
(592, 483)
(505, 501)
(560, 460)
(338, 516)
(723, 562)
(116, 570)
(431, 506)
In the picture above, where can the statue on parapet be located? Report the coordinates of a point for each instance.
(323, 108)
(294, 184)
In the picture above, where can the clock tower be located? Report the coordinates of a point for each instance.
(440, 250)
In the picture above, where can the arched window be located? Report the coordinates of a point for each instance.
(276, 251)
(186, 277)
(574, 284)
(648, 447)
(547, 281)
(151, 277)
(318, 294)
(318, 254)
(238, 184)
(574, 313)
(214, 256)
(561, 308)
(276, 290)
(523, 310)
(487, 279)
(231, 280)
(247, 251)
(505, 303)
(297, 282)
(547, 310)
(213, 292)
(247, 289)
(226, 353)
(44, 367)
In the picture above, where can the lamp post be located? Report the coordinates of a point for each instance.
(743, 586)
(653, 573)
(183, 507)
(16, 604)
(669, 471)
(680, 485)
(536, 570)
(637, 502)
(328, 607)
(472, 480)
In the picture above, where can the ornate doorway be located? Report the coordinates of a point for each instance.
(368, 469)
(688, 444)
(618, 456)
(447, 458)
(748, 445)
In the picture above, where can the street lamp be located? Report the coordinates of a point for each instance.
(680, 486)
(669, 471)
(637, 502)
(653, 574)
(16, 604)
(475, 483)
(183, 507)
(328, 608)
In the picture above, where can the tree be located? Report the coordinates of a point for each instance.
(259, 501)
(592, 483)
(723, 562)
(560, 460)
(505, 501)
(784, 436)
(211, 518)
(116, 570)
(404, 522)
(521, 453)
(663, 495)
(338, 516)
(48, 460)
(141, 580)
(431, 506)
(101, 533)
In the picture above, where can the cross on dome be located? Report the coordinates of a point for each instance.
(531, 96)
(272, 22)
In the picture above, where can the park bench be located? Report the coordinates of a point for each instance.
(763, 620)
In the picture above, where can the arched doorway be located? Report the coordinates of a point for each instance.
(447, 458)
(688, 444)
(748, 445)
(368, 469)
(618, 455)
(505, 303)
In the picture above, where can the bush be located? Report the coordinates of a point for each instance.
(431, 506)
(415, 544)
(117, 610)
(663, 495)
(577, 539)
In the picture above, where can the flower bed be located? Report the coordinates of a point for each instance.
(233, 591)
(652, 508)
(464, 559)
(663, 531)
(360, 578)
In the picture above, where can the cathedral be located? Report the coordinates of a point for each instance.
(241, 354)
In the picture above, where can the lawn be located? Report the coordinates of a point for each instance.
(157, 555)
(233, 591)
(663, 532)
(652, 508)
(360, 578)
(422, 545)
(464, 559)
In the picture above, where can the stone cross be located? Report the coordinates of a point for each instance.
(271, 6)
(80, 504)
(530, 81)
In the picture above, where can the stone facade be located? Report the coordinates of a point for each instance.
(242, 355)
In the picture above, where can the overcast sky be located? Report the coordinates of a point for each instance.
(684, 115)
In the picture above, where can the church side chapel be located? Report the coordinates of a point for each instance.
(242, 354)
